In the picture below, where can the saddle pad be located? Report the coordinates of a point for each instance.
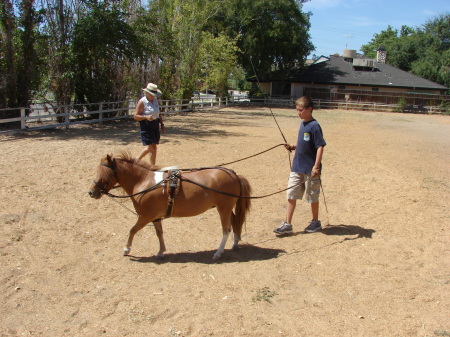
(159, 173)
(158, 176)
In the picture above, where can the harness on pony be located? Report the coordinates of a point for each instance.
(172, 187)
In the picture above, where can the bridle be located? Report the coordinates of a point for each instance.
(103, 188)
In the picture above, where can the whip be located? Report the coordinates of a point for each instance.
(259, 86)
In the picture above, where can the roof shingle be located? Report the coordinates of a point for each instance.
(341, 72)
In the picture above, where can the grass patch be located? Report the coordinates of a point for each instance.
(264, 294)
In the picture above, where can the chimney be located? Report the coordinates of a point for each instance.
(381, 54)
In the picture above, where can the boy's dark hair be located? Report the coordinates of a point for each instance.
(305, 101)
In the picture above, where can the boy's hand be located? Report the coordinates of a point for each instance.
(315, 172)
(289, 147)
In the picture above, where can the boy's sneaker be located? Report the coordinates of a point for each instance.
(313, 226)
(284, 228)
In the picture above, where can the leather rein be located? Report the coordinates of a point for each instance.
(176, 174)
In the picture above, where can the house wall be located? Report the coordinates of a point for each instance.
(349, 92)
(387, 88)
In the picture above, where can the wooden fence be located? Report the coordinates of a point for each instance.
(45, 116)
(351, 105)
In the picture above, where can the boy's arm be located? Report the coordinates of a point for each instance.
(316, 168)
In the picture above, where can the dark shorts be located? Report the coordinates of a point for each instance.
(150, 137)
(150, 132)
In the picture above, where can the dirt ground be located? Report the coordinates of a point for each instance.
(380, 267)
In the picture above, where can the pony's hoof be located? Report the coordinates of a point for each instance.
(126, 251)
(236, 247)
(160, 257)
(216, 257)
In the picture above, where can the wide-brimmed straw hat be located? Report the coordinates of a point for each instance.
(153, 90)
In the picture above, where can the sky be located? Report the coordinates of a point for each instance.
(348, 24)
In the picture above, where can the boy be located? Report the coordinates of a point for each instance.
(304, 178)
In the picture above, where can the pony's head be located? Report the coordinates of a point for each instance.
(106, 177)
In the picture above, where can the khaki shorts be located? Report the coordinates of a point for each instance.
(310, 187)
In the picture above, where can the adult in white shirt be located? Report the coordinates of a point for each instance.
(149, 118)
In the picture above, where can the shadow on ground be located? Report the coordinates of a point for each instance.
(195, 125)
(245, 253)
(342, 230)
(339, 230)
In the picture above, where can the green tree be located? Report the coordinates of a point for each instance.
(387, 38)
(185, 21)
(21, 66)
(271, 35)
(218, 59)
(103, 44)
(8, 96)
(60, 18)
(433, 62)
(155, 42)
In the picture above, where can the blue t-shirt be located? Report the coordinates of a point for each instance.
(310, 137)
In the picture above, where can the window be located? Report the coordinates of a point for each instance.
(375, 89)
(281, 89)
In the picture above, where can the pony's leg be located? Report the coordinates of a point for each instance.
(226, 228)
(159, 233)
(237, 236)
(141, 222)
(219, 252)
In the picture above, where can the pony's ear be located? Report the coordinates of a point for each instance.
(109, 159)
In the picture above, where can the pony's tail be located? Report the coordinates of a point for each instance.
(242, 206)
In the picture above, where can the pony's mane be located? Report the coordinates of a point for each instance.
(128, 158)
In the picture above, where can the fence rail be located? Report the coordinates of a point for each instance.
(45, 116)
(350, 105)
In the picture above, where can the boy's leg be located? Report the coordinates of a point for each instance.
(296, 189)
(286, 227)
(315, 210)
(313, 192)
(291, 203)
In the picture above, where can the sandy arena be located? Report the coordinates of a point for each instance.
(380, 267)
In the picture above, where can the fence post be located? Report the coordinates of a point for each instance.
(23, 123)
(100, 112)
(66, 115)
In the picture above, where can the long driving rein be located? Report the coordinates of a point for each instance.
(161, 183)
(176, 175)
